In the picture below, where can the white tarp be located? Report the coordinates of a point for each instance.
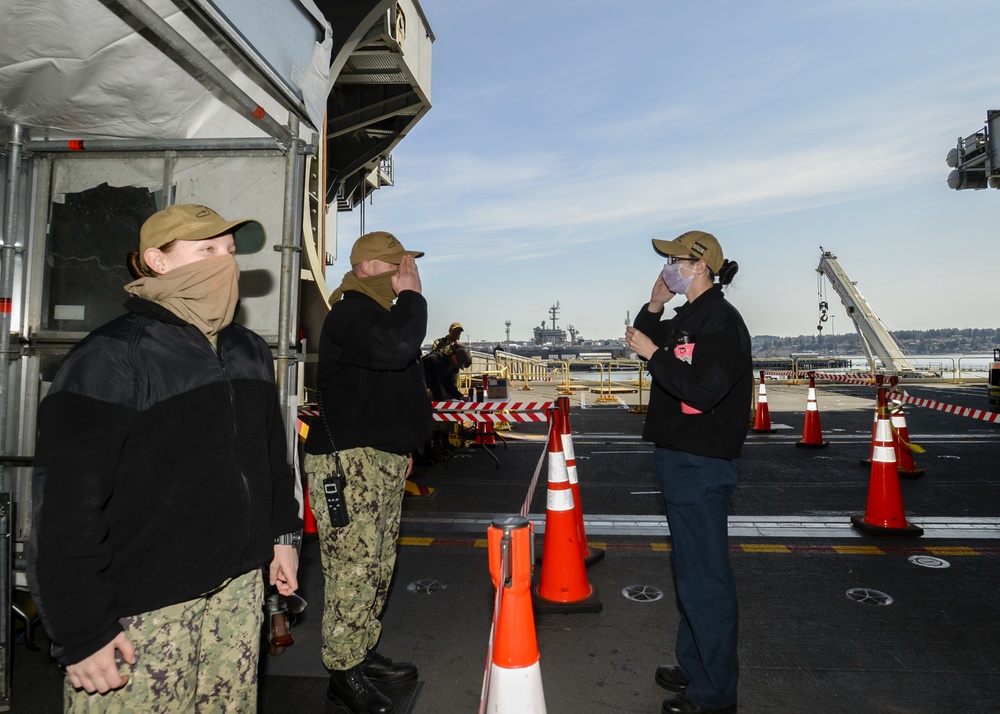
(87, 68)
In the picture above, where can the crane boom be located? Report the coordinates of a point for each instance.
(876, 339)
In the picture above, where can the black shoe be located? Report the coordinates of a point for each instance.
(669, 676)
(384, 672)
(682, 705)
(351, 693)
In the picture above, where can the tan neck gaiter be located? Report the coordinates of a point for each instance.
(377, 287)
(203, 293)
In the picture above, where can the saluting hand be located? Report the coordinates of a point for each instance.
(407, 277)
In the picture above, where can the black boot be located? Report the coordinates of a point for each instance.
(351, 693)
(384, 672)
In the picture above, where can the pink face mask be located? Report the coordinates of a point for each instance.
(674, 279)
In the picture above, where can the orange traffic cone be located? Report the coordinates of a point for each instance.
(563, 585)
(904, 447)
(513, 677)
(590, 555)
(762, 417)
(884, 512)
(812, 434)
(308, 518)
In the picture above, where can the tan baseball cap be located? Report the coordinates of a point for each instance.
(380, 245)
(455, 326)
(190, 221)
(697, 243)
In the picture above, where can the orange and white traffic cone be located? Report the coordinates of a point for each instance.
(513, 682)
(904, 447)
(884, 512)
(590, 555)
(563, 585)
(762, 417)
(812, 433)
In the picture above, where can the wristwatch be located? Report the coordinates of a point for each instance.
(293, 539)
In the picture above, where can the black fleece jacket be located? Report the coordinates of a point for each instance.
(718, 381)
(371, 377)
(160, 472)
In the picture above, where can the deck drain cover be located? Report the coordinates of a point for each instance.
(642, 593)
(425, 587)
(928, 561)
(867, 596)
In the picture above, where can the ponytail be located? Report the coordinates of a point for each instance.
(728, 271)
(137, 267)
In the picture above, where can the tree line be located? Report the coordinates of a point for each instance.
(967, 340)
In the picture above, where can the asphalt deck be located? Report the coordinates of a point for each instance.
(832, 620)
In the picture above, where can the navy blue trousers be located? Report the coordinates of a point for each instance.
(695, 493)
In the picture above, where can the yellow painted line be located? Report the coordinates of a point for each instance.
(858, 550)
(414, 541)
(764, 548)
(482, 543)
(952, 550)
(660, 547)
(592, 544)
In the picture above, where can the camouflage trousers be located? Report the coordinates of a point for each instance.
(195, 656)
(358, 559)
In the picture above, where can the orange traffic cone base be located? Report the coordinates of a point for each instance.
(809, 445)
(591, 603)
(911, 473)
(594, 555)
(864, 526)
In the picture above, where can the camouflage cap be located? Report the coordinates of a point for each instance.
(380, 245)
(189, 221)
(697, 243)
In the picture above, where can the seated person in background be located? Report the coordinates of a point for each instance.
(441, 374)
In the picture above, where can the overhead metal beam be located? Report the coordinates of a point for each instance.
(253, 111)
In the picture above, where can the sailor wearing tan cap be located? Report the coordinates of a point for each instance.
(374, 412)
(700, 363)
(161, 486)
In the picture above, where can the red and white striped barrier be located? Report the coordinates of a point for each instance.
(980, 414)
(482, 412)
(493, 406)
(869, 381)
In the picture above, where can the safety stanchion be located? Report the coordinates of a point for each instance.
(884, 513)
(513, 682)
(590, 554)
(485, 434)
(563, 585)
(879, 381)
(904, 447)
(762, 416)
(812, 433)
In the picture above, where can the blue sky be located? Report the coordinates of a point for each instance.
(565, 135)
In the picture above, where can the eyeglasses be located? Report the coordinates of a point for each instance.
(671, 259)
